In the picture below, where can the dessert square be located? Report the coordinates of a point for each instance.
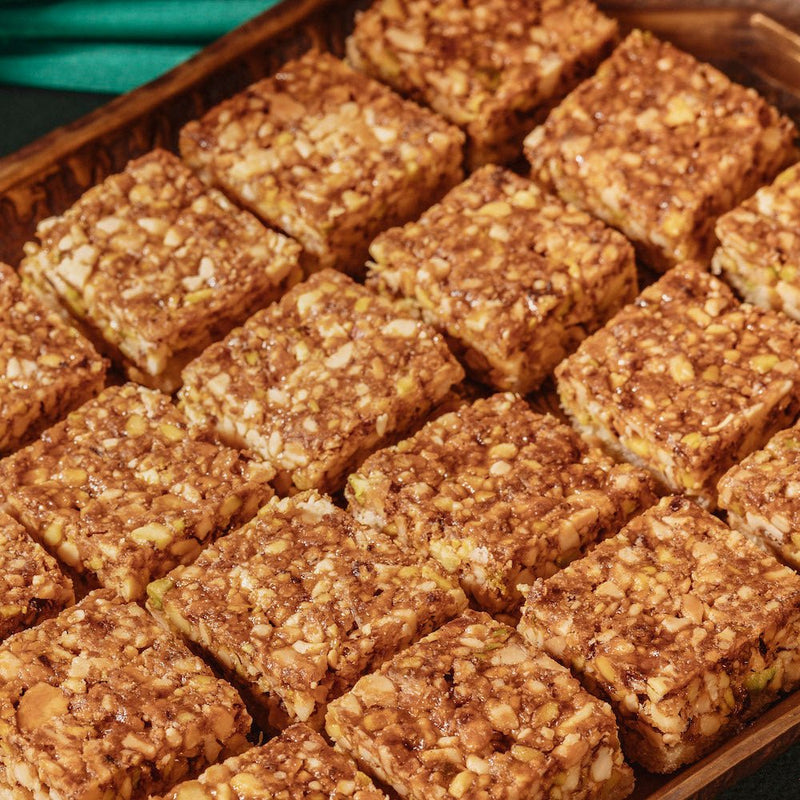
(761, 495)
(660, 145)
(297, 765)
(327, 155)
(32, 587)
(317, 381)
(492, 67)
(759, 246)
(156, 266)
(474, 711)
(685, 626)
(46, 367)
(686, 381)
(498, 495)
(124, 490)
(298, 604)
(102, 702)
(514, 277)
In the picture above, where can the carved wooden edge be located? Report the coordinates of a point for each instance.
(765, 738)
(787, 11)
(47, 176)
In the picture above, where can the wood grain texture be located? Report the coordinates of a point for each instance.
(788, 11)
(768, 736)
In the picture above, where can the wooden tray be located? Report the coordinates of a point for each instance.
(47, 176)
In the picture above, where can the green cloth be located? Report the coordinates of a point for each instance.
(109, 45)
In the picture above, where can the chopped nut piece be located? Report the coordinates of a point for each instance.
(686, 381)
(701, 632)
(659, 146)
(474, 711)
(759, 250)
(498, 494)
(39, 705)
(327, 155)
(46, 368)
(762, 495)
(493, 68)
(32, 587)
(102, 702)
(297, 765)
(155, 266)
(300, 602)
(316, 382)
(515, 303)
(115, 495)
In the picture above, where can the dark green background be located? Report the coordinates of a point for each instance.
(26, 114)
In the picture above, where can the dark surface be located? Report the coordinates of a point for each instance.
(26, 114)
(29, 113)
(778, 780)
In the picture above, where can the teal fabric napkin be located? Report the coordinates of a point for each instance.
(109, 45)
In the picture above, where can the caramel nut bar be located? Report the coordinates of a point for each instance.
(514, 277)
(46, 368)
(686, 381)
(102, 702)
(762, 495)
(317, 381)
(498, 495)
(492, 67)
(327, 155)
(473, 711)
(759, 250)
(301, 602)
(684, 625)
(660, 145)
(156, 266)
(32, 587)
(123, 490)
(297, 765)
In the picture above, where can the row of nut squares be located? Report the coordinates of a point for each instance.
(685, 382)
(158, 262)
(682, 624)
(660, 642)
